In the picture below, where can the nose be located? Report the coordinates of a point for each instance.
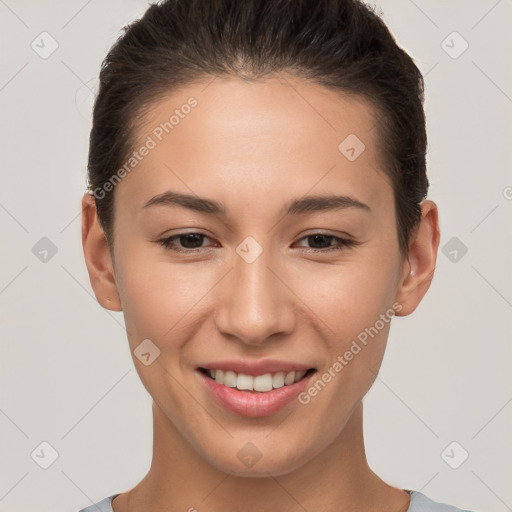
(254, 301)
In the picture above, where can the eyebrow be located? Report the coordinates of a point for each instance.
(303, 205)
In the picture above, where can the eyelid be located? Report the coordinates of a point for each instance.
(341, 243)
(169, 244)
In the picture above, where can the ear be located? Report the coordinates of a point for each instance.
(97, 257)
(419, 266)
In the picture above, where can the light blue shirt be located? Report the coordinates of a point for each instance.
(419, 503)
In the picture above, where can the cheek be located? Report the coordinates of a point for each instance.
(351, 296)
(354, 303)
(158, 298)
(349, 304)
(160, 302)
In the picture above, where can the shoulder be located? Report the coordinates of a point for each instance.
(105, 505)
(422, 503)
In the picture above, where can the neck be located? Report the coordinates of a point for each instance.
(337, 479)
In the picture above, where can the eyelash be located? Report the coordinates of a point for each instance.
(342, 243)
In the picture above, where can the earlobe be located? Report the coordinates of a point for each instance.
(418, 270)
(97, 257)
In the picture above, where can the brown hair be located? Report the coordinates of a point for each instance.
(341, 44)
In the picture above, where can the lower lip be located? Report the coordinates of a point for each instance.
(254, 404)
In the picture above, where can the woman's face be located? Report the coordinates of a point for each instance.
(254, 287)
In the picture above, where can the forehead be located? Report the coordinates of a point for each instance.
(282, 133)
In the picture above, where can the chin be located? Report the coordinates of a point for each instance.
(251, 462)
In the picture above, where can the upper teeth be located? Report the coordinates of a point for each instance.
(265, 382)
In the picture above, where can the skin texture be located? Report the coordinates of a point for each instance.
(254, 147)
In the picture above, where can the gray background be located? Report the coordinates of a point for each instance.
(67, 377)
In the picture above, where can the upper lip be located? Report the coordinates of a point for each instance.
(255, 368)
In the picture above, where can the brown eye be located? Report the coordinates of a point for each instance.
(320, 242)
(187, 242)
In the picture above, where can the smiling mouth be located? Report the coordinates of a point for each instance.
(256, 384)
